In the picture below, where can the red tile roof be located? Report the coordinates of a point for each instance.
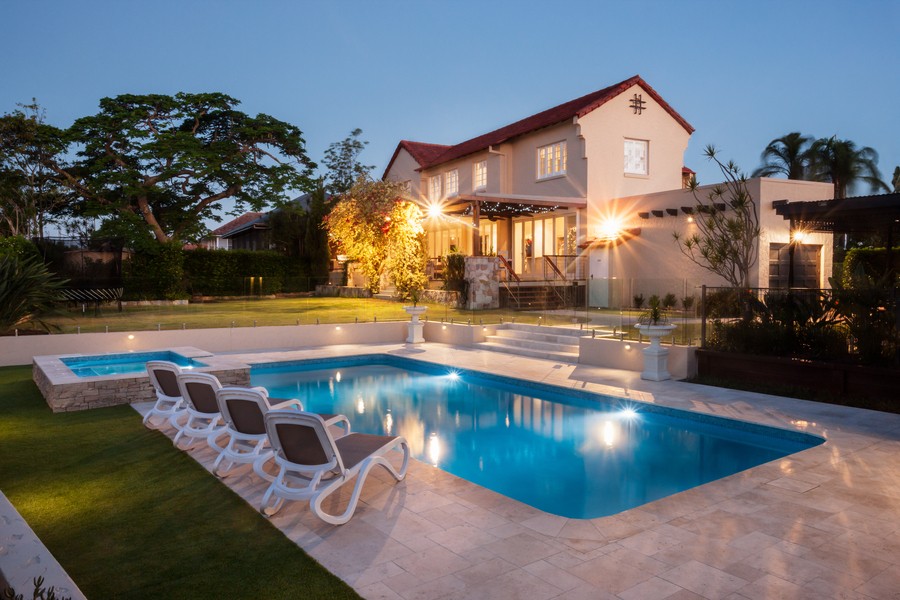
(687, 171)
(237, 222)
(422, 153)
(558, 114)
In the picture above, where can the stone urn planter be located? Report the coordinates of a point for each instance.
(656, 358)
(415, 325)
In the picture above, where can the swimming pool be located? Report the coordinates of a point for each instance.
(120, 364)
(567, 452)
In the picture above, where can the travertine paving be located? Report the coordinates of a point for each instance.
(824, 523)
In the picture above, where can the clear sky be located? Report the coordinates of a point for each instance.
(742, 73)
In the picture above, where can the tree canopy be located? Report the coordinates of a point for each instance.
(840, 162)
(29, 194)
(725, 240)
(342, 161)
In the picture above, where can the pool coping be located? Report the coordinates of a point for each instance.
(821, 519)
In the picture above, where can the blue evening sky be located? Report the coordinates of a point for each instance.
(742, 73)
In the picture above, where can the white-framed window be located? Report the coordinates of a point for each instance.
(451, 183)
(434, 188)
(636, 157)
(479, 177)
(552, 160)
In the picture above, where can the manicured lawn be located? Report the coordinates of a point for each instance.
(309, 310)
(129, 516)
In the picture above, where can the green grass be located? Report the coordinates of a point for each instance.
(129, 516)
(309, 310)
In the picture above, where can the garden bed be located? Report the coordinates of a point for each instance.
(828, 378)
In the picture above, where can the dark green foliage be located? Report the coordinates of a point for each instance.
(455, 275)
(869, 309)
(687, 303)
(128, 516)
(638, 301)
(18, 246)
(723, 304)
(155, 273)
(316, 239)
(669, 301)
(242, 273)
(785, 324)
(28, 292)
(871, 262)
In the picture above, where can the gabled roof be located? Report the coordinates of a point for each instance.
(422, 153)
(578, 107)
(237, 223)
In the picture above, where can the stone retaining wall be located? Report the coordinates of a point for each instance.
(484, 282)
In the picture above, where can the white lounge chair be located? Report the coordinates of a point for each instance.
(201, 417)
(243, 411)
(164, 378)
(312, 464)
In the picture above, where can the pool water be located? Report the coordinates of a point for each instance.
(121, 364)
(566, 452)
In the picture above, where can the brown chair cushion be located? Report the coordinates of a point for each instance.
(247, 417)
(203, 397)
(301, 445)
(168, 382)
(356, 447)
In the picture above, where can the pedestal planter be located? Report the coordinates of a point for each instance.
(655, 356)
(415, 326)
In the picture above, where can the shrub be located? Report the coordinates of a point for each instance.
(638, 301)
(28, 291)
(669, 301)
(455, 275)
(687, 303)
(155, 273)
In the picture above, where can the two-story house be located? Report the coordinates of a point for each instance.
(566, 193)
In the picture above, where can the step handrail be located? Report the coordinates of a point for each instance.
(508, 267)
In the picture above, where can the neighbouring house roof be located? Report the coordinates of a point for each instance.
(579, 107)
(687, 171)
(237, 223)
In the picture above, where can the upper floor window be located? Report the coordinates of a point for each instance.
(552, 160)
(434, 188)
(480, 175)
(451, 183)
(636, 152)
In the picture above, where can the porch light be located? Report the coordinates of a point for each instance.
(798, 236)
(434, 210)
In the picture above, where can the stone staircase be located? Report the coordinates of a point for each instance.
(554, 343)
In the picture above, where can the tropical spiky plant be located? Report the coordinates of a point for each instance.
(28, 292)
(845, 165)
(787, 155)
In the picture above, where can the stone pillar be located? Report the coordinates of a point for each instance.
(482, 273)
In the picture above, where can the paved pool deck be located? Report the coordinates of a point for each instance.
(823, 523)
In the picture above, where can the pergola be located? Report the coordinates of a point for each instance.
(860, 214)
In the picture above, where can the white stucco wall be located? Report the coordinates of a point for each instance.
(404, 169)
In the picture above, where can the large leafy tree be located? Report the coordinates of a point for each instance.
(374, 225)
(342, 162)
(787, 155)
(29, 194)
(845, 165)
(727, 226)
(170, 161)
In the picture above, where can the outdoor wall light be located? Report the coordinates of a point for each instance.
(130, 336)
(610, 229)
(338, 328)
(443, 327)
(628, 346)
(798, 236)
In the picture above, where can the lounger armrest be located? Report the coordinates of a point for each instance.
(261, 390)
(283, 403)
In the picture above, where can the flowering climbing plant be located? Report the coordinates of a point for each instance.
(376, 226)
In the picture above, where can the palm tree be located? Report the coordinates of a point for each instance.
(786, 156)
(840, 162)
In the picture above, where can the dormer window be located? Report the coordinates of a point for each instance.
(552, 160)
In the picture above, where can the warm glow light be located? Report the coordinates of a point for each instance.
(610, 434)
(360, 406)
(443, 327)
(434, 210)
(388, 423)
(338, 328)
(628, 346)
(690, 219)
(610, 229)
(434, 449)
(798, 236)
(130, 336)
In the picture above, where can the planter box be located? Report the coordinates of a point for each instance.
(835, 378)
